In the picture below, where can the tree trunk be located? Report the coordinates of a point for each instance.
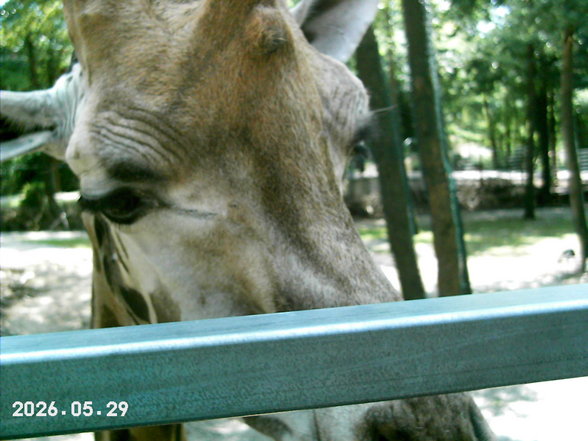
(388, 153)
(543, 130)
(529, 203)
(32, 59)
(508, 134)
(552, 135)
(54, 210)
(491, 132)
(581, 130)
(446, 222)
(52, 65)
(399, 116)
(567, 123)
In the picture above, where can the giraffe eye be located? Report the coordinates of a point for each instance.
(122, 206)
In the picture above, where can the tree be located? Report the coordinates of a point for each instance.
(428, 119)
(554, 19)
(529, 212)
(387, 152)
(567, 123)
(543, 126)
(550, 20)
(34, 33)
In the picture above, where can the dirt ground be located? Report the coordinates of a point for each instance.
(47, 289)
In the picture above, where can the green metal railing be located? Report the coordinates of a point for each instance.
(120, 377)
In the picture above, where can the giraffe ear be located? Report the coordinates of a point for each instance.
(50, 112)
(335, 27)
(26, 144)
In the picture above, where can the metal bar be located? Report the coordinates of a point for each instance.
(267, 363)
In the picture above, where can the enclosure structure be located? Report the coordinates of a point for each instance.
(152, 374)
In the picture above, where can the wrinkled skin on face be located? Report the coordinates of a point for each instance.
(210, 142)
(227, 145)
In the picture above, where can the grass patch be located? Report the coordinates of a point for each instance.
(75, 242)
(490, 230)
(378, 234)
(372, 233)
(483, 235)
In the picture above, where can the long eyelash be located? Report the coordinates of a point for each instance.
(90, 205)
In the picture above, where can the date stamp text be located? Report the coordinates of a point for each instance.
(75, 409)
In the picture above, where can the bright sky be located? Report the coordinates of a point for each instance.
(497, 17)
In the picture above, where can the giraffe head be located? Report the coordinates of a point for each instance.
(210, 144)
(210, 139)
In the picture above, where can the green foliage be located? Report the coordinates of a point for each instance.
(31, 213)
(33, 196)
(35, 48)
(17, 172)
(36, 167)
(481, 50)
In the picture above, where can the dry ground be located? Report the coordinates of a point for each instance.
(45, 288)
